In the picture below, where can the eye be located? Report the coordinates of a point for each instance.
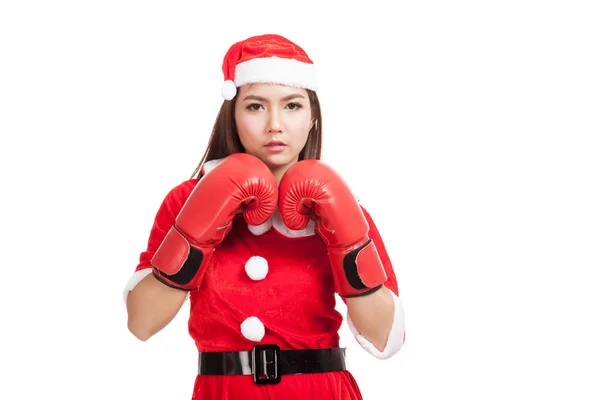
(294, 106)
(254, 107)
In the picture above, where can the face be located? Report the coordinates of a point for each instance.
(273, 122)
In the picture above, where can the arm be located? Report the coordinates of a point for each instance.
(362, 272)
(188, 241)
(152, 305)
(377, 322)
(372, 316)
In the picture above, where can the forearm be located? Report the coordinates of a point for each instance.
(373, 316)
(151, 305)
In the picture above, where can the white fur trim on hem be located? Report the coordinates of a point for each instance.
(134, 280)
(395, 338)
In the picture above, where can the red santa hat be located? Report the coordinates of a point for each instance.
(267, 59)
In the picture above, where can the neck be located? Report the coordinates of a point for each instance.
(279, 171)
(278, 174)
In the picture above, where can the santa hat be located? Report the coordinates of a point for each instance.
(267, 59)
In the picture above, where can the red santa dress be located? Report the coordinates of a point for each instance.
(268, 284)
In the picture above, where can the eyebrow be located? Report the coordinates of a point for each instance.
(286, 98)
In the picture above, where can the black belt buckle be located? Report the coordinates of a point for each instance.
(266, 364)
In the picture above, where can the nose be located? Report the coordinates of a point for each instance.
(275, 121)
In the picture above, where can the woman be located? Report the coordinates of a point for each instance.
(261, 239)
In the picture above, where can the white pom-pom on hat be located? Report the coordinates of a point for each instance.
(228, 90)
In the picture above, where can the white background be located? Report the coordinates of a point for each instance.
(470, 130)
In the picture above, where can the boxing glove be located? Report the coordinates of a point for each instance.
(311, 189)
(239, 182)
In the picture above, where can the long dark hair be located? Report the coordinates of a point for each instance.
(224, 139)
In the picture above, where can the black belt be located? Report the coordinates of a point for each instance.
(267, 363)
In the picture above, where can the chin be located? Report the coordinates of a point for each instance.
(277, 161)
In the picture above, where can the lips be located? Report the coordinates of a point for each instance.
(275, 146)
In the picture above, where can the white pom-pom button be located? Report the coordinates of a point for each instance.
(257, 268)
(253, 329)
(258, 230)
(228, 90)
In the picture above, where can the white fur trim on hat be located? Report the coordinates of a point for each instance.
(284, 71)
(253, 329)
(257, 268)
(395, 339)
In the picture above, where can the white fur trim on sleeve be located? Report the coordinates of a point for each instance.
(395, 338)
(134, 280)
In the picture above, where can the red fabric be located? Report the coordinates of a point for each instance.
(328, 386)
(263, 46)
(295, 302)
(165, 219)
(391, 282)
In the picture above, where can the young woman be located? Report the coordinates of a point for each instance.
(261, 239)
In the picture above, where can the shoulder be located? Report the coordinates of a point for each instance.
(184, 188)
(179, 193)
(209, 165)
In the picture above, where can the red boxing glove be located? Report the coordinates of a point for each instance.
(239, 181)
(310, 189)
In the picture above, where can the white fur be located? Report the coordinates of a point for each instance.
(277, 223)
(284, 71)
(258, 230)
(253, 329)
(395, 338)
(134, 280)
(228, 90)
(282, 228)
(257, 268)
(209, 165)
